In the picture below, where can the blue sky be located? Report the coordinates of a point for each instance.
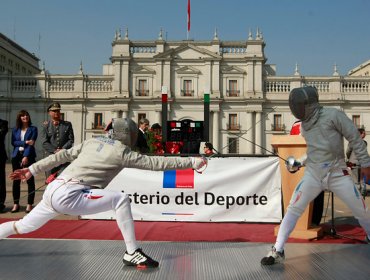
(316, 34)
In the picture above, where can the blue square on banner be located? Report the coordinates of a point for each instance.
(169, 179)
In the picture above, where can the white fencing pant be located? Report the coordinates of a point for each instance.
(317, 179)
(72, 198)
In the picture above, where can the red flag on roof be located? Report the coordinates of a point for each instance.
(188, 15)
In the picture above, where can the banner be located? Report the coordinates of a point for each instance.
(235, 189)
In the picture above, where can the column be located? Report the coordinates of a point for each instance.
(215, 86)
(258, 139)
(125, 78)
(158, 116)
(216, 131)
(167, 77)
(249, 134)
(158, 78)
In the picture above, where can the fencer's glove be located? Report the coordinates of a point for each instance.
(198, 162)
(292, 164)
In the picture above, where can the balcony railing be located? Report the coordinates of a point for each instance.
(331, 87)
(232, 93)
(326, 85)
(97, 125)
(278, 127)
(142, 92)
(185, 92)
(233, 127)
(24, 85)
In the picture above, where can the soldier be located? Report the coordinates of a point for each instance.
(56, 134)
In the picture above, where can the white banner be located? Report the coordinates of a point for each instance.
(235, 189)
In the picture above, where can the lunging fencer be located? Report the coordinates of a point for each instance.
(79, 189)
(325, 166)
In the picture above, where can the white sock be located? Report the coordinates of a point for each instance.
(286, 227)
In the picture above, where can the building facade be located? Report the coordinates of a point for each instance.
(248, 102)
(15, 60)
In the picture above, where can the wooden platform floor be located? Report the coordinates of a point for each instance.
(91, 259)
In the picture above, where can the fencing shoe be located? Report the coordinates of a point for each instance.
(139, 259)
(273, 257)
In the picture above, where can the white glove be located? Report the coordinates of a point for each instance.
(292, 164)
(198, 162)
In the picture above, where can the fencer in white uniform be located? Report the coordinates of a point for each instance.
(325, 166)
(79, 190)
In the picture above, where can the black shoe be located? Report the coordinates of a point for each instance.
(139, 259)
(15, 208)
(273, 257)
(29, 208)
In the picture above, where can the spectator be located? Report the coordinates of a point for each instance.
(154, 139)
(24, 136)
(156, 128)
(208, 149)
(3, 159)
(141, 143)
(56, 135)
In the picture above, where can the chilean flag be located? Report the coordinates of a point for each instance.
(188, 15)
(178, 179)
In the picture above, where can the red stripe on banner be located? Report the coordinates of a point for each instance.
(188, 15)
(185, 179)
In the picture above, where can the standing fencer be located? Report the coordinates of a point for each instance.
(325, 166)
(79, 190)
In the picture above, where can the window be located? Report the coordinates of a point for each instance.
(98, 121)
(356, 120)
(142, 88)
(187, 89)
(233, 145)
(233, 122)
(277, 126)
(233, 88)
(141, 116)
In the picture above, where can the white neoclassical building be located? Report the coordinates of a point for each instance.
(248, 102)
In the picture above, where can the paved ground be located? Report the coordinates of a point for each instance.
(342, 214)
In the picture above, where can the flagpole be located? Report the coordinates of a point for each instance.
(187, 33)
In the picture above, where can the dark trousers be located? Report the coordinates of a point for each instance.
(17, 164)
(2, 183)
(318, 207)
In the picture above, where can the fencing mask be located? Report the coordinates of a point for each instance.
(303, 101)
(124, 130)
